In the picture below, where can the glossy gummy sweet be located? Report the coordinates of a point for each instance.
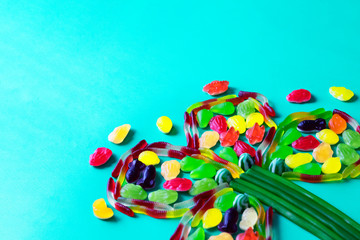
(255, 134)
(170, 169)
(147, 181)
(309, 168)
(307, 143)
(205, 170)
(222, 236)
(223, 176)
(199, 234)
(328, 136)
(149, 158)
(100, 209)
(322, 152)
(202, 185)
(225, 201)
(278, 166)
(119, 133)
(298, 159)
(346, 154)
(291, 135)
(211, 218)
(248, 219)
(133, 191)
(332, 165)
(229, 223)
(229, 137)
(188, 163)
(203, 117)
(163, 196)
(241, 202)
(216, 87)
(241, 147)
(225, 108)
(209, 139)
(246, 161)
(178, 184)
(164, 124)
(249, 234)
(254, 118)
(229, 154)
(351, 138)
(100, 156)
(281, 152)
(218, 124)
(237, 122)
(299, 96)
(245, 108)
(134, 171)
(341, 93)
(309, 126)
(337, 124)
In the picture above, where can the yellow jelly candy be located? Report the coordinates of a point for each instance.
(341, 93)
(298, 159)
(164, 124)
(328, 136)
(212, 218)
(209, 139)
(332, 165)
(170, 169)
(322, 152)
(222, 236)
(248, 218)
(237, 122)
(149, 158)
(119, 134)
(254, 118)
(101, 210)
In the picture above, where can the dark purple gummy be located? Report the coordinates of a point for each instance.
(229, 223)
(134, 171)
(147, 180)
(312, 125)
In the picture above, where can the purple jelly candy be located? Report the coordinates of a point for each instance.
(134, 171)
(312, 125)
(229, 221)
(148, 179)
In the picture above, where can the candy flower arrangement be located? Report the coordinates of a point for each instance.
(238, 189)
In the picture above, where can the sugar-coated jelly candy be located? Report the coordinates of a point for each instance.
(241, 147)
(216, 87)
(223, 176)
(149, 158)
(119, 133)
(178, 184)
(237, 122)
(229, 137)
(188, 163)
(322, 152)
(309, 126)
(341, 93)
(205, 170)
(291, 135)
(170, 169)
(203, 117)
(229, 154)
(278, 166)
(209, 139)
(164, 124)
(254, 118)
(225, 201)
(241, 202)
(337, 124)
(100, 209)
(202, 185)
(346, 154)
(281, 152)
(248, 218)
(351, 138)
(212, 217)
(245, 108)
(133, 191)
(255, 134)
(225, 108)
(246, 161)
(249, 234)
(309, 168)
(298, 159)
(332, 165)
(307, 143)
(147, 181)
(218, 124)
(163, 196)
(299, 96)
(229, 223)
(199, 234)
(328, 136)
(134, 171)
(222, 236)
(100, 156)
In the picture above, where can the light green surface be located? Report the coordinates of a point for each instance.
(71, 71)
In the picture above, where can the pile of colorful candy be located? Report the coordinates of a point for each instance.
(221, 194)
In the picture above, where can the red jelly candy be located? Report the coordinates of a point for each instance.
(218, 124)
(299, 96)
(255, 134)
(241, 147)
(307, 143)
(178, 184)
(216, 87)
(229, 138)
(100, 156)
(249, 234)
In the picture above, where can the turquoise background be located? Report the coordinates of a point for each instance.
(72, 71)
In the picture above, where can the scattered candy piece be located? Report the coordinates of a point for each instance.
(346, 154)
(309, 126)
(254, 118)
(133, 191)
(278, 166)
(209, 139)
(202, 185)
(245, 108)
(147, 181)
(237, 122)
(341, 93)
(246, 161)
(229, 222)
(248, 219)
(212, 218)
(248, 235)
(205, 170)
(149, 158)
(241, 203)
(298, 159)
(218, 124)
(216, 87)
(100, 156)
(100, 209)
(322, 152)
(241, 147)
(255, 134)
(163, 196)
(229, 154)
(223, 176)
(281, 152)
(299, 96)
(332, 165)
(225, 108)
(229, 137)
(203, 117)
(328, 136)
(170, 169)
(178, 184)
(134, 171)
(164, 124)
(291, 135)
(337, 124)
(351, 138)
(309, 169)
(188, 163)
(199, 234)
(225, 201)
(119, 134)
(307, 143)
(222, 236)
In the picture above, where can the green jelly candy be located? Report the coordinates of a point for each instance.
(188, 164)
(229, 154)
(346, 154)
(245, 108)
(291, 135)
(163, 196)
(281, 152)
(199, 234)
(278, 166)
(351, 138)
(202, 185)
(203, 117)
(226, 108)
(225, 201)
(205, 170)
(309, 168)
(241, 202)
(133, 191)
(246, 161)
(223, 176)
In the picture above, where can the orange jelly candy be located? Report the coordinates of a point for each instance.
(337, 124)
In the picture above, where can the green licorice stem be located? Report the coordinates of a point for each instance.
(320, 201)
(287, 209)
(311, 207)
